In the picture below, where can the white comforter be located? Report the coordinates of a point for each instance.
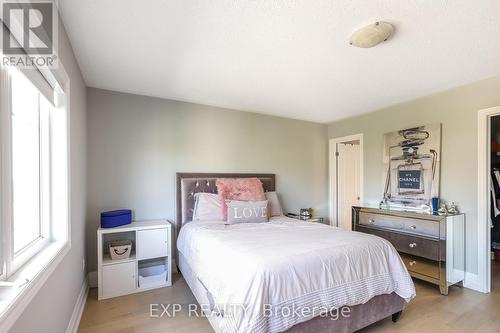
(259, 274)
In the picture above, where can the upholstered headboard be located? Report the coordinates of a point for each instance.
(188, 184)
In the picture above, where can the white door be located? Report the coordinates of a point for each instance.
(119, 279)
(348, 182)
(152, 243)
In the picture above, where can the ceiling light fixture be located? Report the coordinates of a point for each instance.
(372, 34)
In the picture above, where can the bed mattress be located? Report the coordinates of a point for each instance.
(268, 277)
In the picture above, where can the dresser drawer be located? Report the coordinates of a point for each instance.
(383, 221)
(422, 247)
(421, 266)
(416, 226)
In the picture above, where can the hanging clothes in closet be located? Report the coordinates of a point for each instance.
(495, 205)
(495, 193)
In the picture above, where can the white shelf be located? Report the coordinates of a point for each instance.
(136, 225)
(166, 284)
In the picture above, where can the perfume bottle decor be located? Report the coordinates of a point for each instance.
(383, 204)
(442, 209)
(435, 204)
(453, 210)
(426, 209)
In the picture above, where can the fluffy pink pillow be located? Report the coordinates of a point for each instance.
(249, 189)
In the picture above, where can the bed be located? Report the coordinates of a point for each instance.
(285, 275)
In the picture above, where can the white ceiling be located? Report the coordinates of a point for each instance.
(289, 58)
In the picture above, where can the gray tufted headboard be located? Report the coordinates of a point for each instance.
(188, 184)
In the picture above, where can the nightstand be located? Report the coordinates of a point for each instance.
(149, 265)
(311, 219)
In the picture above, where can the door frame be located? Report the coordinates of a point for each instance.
(332, 173)
(483, 198)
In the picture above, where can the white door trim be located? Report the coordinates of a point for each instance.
(483, 201)
(332, 173)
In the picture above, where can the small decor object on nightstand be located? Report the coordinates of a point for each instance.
(306, 213)
(116, 218)
(307, 219)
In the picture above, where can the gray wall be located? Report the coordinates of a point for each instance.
(136, 144)
(51, 309)
(457, 111)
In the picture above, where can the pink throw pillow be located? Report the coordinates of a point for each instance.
(244, 189)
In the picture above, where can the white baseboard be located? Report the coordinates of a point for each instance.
(93, 279)
(472, 282)
(74, 322)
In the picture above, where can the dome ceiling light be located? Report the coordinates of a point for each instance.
(372, 34)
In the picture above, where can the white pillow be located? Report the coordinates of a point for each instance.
(207, 207)
(274, 204)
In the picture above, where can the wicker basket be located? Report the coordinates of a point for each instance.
(120, 249)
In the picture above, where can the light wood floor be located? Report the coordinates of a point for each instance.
(463, 310)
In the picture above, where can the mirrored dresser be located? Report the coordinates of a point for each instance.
(431, 246)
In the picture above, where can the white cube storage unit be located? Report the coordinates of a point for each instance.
(149, 265)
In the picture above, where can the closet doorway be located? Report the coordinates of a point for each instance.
(346, 175)
(495, 201)
(488, 205)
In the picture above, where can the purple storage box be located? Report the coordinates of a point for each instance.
(116, 218)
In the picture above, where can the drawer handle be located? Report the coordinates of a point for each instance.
(412, 245)
(371, 221)
(413, 263)
(413, 227)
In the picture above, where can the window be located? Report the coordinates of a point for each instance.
(34, 182)
(34, 168)
(30, 152)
